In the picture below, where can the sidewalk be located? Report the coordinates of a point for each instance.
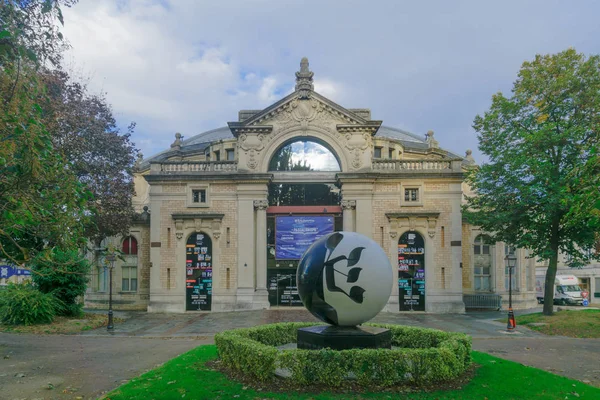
(91, 363)
(574, 358)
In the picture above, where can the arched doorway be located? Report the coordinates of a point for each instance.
(304, 204)
(198, 272)
(411, 272)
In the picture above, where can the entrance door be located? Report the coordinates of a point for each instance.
(198, 272)
(411, 272)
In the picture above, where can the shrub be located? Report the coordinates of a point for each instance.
(23, 304)
(64, 275)
(420, 356)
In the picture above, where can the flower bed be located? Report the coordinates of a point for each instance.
(418, 356)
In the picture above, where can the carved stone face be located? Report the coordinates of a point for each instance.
(344, 279)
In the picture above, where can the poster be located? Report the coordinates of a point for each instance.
(198, 276)
(282, 287)
(411, 272)
(295, 234)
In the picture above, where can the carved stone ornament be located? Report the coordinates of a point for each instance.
(177, 143)
(393, 234)
(433, 144)
(431, 223)
(412, 223)
(178, 228)
(348, 204)
(357, 143)
(217, 234)
(252, 146)
(304, 80)
(261, 205)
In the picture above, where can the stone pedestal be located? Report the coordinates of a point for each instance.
(344, 338)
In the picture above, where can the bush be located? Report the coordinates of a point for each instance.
(23, 304)
(420, 356)
(65, 275)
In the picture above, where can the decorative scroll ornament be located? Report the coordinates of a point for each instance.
(261, 204)
(348, 204)
(178, 228)
(304, 80)
(431, 223)
(252, 145)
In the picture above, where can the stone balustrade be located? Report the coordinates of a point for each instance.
(414, 165)
(194, 166)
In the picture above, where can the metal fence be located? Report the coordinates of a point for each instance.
(483, 301)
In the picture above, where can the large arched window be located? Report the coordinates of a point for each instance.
(304, 155)
(482, 265)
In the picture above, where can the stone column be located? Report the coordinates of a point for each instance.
(392, 305)
(261, 244)
(261, 296)
(348, 207)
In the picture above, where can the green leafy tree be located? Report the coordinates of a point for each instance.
(42, 203)
(64, 274)
(532, 193)
(100, 155)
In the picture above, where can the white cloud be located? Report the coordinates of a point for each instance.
(189, 66)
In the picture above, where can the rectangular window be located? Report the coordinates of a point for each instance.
(391, 154)
(482, 278)
(102, 279)
(129, 279)
(217, 155)
(230, 155)
(411, 195)
(199, 196)
(377, 153)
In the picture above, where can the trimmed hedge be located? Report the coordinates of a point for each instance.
(421, 356)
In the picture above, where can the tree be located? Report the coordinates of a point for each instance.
(65, 275)
(84, 130)
(42, 203)
(541, 141)
(29, 31)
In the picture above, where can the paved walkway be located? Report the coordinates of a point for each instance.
(94, 362)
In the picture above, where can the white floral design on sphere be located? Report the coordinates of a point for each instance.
(344, 278)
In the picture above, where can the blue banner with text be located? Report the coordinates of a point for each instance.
(294, 235)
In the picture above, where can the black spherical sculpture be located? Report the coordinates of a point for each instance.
(344, 278)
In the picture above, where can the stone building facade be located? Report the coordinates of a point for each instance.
(214, 204)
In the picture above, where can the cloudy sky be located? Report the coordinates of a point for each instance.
(189, 65)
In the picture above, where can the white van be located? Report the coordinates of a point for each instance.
(566, 289)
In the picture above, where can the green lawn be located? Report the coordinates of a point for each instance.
(571, 323)
(187, 377)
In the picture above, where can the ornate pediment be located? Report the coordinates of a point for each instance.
(304, 108)
(308, 113)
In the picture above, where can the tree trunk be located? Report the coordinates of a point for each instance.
(551, 271)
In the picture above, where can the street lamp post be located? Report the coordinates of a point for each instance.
(510, 260)
(110, 258)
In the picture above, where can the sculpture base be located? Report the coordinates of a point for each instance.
(344, 337)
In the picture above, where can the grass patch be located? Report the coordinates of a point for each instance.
(187, 376)
(63, 325)
(577, 324)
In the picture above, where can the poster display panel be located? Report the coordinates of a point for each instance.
(295, 234)
(198, 272)
(282, 287)
(411, 272)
